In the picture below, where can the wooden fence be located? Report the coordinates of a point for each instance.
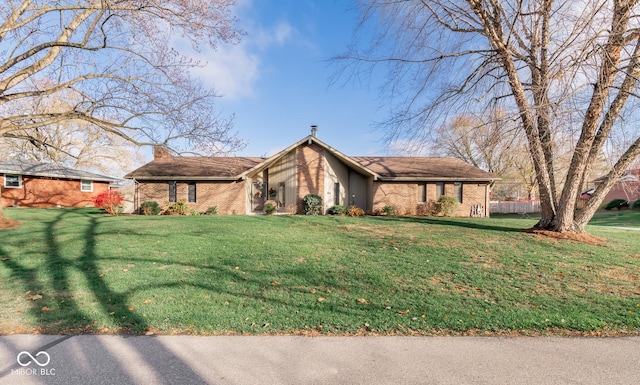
(506, 207)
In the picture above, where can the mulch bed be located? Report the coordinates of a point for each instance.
(6, 223)
(568, 236)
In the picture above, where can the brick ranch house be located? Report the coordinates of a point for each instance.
(241, 185)
(627, 187)
(29, 184)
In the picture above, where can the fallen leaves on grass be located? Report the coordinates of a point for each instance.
(33, 297)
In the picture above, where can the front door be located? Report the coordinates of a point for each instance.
(258, 195)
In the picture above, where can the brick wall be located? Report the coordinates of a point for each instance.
(406, 196)
(403, 196)
(228, 197)
(47, 192)
(629, 191)
(310, 169)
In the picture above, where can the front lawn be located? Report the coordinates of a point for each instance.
(79, 271)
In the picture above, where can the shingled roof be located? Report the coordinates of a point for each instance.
(436, 169)
(195, 168)
(166, 167)
(49, 170)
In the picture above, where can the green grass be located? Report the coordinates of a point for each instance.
(613, 218)
(78, 271)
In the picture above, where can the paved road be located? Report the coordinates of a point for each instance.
(91, 359)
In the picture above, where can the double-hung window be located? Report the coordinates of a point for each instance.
(458, 191)
(192, 192)
(86, 185)
(12, 181)
(422, 188)
(439, 189)
(173, 191)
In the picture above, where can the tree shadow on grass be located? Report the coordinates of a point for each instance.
(55, 307)
(480, 224)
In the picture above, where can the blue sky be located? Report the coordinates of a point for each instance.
(276, 81)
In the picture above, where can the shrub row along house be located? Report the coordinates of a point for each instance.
(30, 184)
(242, 185)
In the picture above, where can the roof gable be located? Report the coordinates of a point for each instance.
(309, 140)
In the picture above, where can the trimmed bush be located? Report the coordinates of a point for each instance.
(355, 211)
(178, 208)
(616, 204)
(427, 209)
(636, 205)
(150, 208)
(270, 206)
(447, 205)
(337, 210)
(312, 204)
(389, 210)
(212, 211)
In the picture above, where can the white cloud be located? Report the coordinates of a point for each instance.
(230, 70)
(233, 70)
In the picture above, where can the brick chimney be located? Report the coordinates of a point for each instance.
(161, 153)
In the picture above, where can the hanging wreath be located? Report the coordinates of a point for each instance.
(272, 192)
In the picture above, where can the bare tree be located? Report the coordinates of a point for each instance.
(487, 141)
(115, 62)
(558, 65)
(71, 143)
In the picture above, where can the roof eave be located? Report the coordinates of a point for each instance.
(59, 176)
(435, 179)
(184, 178)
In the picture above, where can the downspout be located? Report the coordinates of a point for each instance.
(136, 196)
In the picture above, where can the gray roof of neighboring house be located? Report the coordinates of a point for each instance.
(50, 170)
(627, 176)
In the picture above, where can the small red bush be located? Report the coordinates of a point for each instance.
(109, 201)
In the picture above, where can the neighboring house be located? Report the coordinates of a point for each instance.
(627, 187)
(29, 184)
(241, 185)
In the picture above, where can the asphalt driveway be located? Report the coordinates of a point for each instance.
(108, 359)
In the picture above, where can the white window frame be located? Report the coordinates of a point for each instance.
(82, 182)
(13, 175)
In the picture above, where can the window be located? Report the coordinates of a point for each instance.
(13, 181)
(192, 192)
(458, 191)
(336, 193)
(173, 191)
(423, 192)
(86, 185)
(439, 189)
